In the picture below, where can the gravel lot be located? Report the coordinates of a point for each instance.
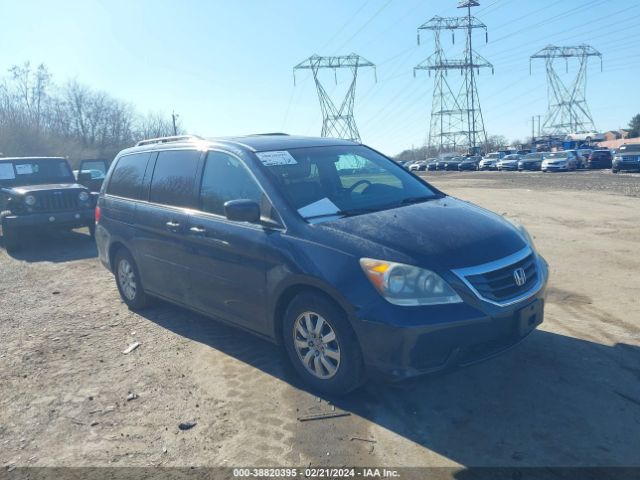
(567, 396)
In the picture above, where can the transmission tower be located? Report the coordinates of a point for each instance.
(456, 116)
(568, 111)
(336, 122)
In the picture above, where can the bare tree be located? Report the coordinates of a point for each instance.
(155, 124)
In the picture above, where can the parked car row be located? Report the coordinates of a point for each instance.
(563, 160)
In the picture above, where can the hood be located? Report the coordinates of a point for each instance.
(445, 233)
(23, 189)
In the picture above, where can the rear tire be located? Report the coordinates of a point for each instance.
(327, 357)
(128, 281)
(10, 235)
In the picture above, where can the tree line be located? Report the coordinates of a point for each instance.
(40, 118)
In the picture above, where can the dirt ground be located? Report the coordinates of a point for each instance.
(569, 395)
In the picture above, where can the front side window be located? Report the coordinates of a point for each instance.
(226, 178)
(97, 168)
(174, 178)
(342, 180)
(128, 174)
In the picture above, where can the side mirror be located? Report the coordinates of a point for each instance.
(242, 210)
(84, 177)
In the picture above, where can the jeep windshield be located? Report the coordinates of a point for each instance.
(34, 171)
(633, 148)
(325, 182)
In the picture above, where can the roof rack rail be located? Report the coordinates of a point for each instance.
(268, 134)
(174, 138)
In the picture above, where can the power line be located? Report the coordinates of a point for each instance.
(365, 24)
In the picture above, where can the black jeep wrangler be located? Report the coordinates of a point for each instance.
(41, 192)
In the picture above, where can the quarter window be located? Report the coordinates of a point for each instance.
(226, 178)
(174, 178)
(126, 179)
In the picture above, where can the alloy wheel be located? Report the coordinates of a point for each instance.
(127, 279)
(316, 344)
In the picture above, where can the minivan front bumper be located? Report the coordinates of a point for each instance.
(432, 339)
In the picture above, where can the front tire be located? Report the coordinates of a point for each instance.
(321, 345)
(10, 236)
(128, 281)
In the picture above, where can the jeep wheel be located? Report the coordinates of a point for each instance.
(10, 237)
(321, 345)
(128, 281)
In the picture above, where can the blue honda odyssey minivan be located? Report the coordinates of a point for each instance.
(356, 266)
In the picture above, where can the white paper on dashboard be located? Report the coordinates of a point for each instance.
(281, 157)
(6, 171)
(321, 207)
(24, 169)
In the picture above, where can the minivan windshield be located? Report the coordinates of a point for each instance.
(34, 171)
(324, 182)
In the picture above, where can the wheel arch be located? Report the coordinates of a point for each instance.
(288, 293)
(114, 248)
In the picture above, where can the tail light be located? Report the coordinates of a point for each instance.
(98, 213)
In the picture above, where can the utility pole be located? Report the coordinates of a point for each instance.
(533, 129)
(568, 111)
(456, 116)
(336, 122)
(174, 116)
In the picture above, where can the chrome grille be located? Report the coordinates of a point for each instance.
(495, 282)
(500, 285)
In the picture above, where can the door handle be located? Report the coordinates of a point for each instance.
(173, 226)
(198, 230)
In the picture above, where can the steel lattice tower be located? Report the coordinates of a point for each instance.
(336, 122)
(568, 111)
(456, 117)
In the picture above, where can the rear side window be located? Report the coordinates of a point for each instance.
(226, 178)
(126, 179)
(174, 178)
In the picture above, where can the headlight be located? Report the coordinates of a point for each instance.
(83, 196)
(30, 200)
(407, 285)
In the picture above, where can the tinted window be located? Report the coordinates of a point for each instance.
(226, 178)
(174, 178)
(126, 179)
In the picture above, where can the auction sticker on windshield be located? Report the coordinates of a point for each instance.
(280, 157)
(6, 171)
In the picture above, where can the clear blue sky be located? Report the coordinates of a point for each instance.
(226, 65)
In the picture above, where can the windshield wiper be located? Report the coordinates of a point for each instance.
(343, 213)
(424, 198)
